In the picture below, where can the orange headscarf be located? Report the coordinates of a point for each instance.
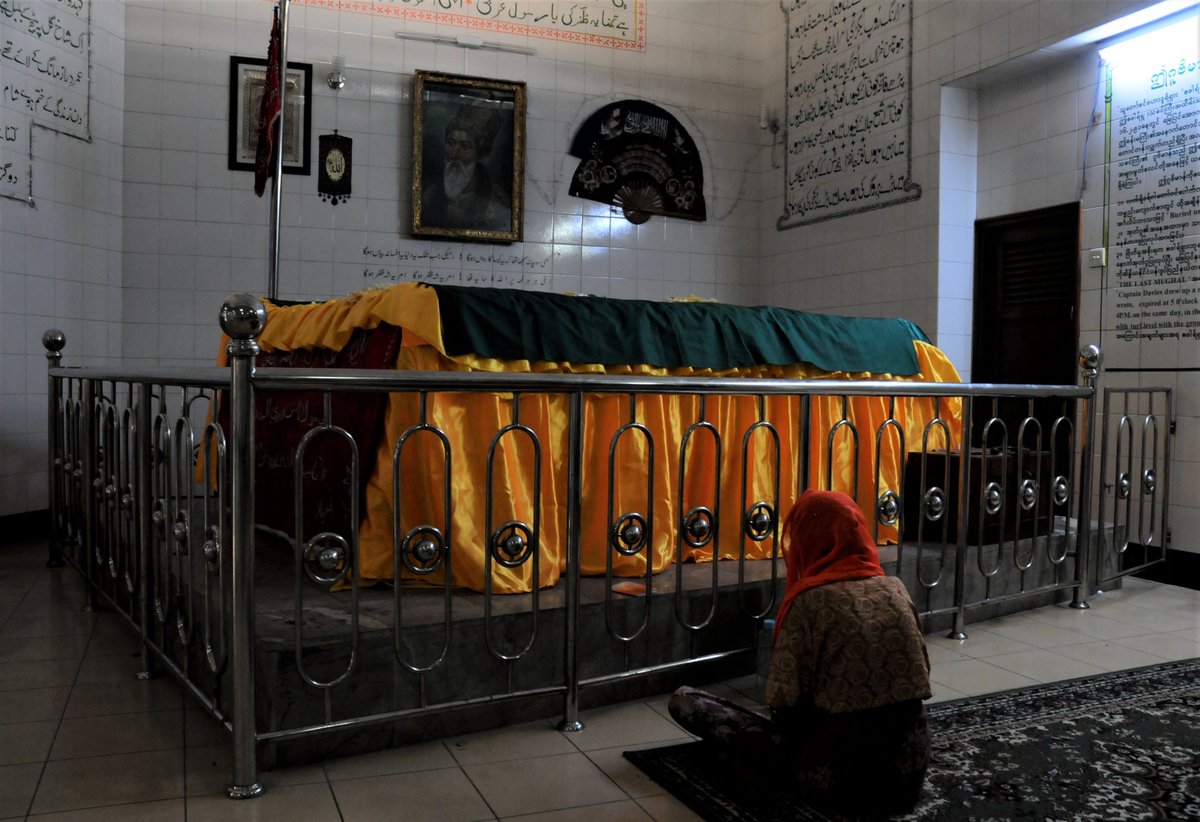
(825, 540)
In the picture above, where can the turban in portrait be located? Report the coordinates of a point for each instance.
(481, 120)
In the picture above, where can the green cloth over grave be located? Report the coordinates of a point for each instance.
(509, 324)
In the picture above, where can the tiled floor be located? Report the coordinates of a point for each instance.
(81, 740)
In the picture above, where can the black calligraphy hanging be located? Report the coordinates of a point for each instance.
(639, 158)
(333, 178)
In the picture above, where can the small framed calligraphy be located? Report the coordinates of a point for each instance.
(334, 167)
(247, 79)
(468, 157)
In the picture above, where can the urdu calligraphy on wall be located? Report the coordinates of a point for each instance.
(617, 24)
(849, 108)
(15, 153)
(45, 80)
(454, 266)
(46, 61)
(1153, 286)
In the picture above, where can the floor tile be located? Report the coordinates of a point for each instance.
(41, 622)
(41, 673)
(666, 808)
(33, 704)
(632, 723)
(981, 642)
(946, 651)
(1192, 633)
(17, 784)
(26, 741)
(119, 733)
(210, 771)
(167, 810)
(201, 730)
(407, 759)
(27, 648)
(1144, 618)
(1135, 589)
(943, 694)
(750, 685)
(445, 795)
(207, 770)
(1160, 593)
(750, 701)
(1108, 655)
(112, 637)
(973, 677)
(627, 811)
(512, 743)
(1188, 612)
(1090, 623)
(628, 777)
(96, 670)
(107, 698)
(70, 784)
(294, 803)
(1045, 666)
(545, 784)
(1033, 632)
(68, 676)
(1166, 646)
(659, 705)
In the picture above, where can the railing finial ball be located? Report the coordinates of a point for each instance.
(54, 340)
(243, 316)
(1090, 359)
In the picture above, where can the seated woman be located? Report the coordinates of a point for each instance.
(849, 671)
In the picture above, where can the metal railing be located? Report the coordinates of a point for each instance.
(153, 500)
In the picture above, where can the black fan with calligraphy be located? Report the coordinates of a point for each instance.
(638, 157)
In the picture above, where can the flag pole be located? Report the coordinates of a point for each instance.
(277, 159)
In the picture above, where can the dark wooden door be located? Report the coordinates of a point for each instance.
(1026, 305)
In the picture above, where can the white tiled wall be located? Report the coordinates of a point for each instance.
(60, 266)
(908, 260)
(195, 231)
(958, 171)
(1002, 124)
(1041, 143)
(177, 231)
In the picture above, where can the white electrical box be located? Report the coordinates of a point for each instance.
(1097, 258)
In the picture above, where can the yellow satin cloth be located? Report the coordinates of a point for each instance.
(470, 421)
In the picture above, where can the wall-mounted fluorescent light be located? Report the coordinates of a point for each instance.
(1169, 43)
(466, 42)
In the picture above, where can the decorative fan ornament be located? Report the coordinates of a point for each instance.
(638, 200)
(636, 156)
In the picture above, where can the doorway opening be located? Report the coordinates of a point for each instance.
(1026, 315)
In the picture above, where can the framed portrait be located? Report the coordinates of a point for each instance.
(247, 78)
(468, 157)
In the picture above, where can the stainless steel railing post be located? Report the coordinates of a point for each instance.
(54, 341)
(570, 720)
(1090, 359)
(88, 487)
(959, 629)
(143, 507)
(804, 461)
(243, 318)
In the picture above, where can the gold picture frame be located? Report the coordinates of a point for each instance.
(468, 177)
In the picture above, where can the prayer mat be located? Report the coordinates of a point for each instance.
(1120, 746)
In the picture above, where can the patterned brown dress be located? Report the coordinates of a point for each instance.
(848, 675)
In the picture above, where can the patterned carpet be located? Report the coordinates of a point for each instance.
(1121, 746)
